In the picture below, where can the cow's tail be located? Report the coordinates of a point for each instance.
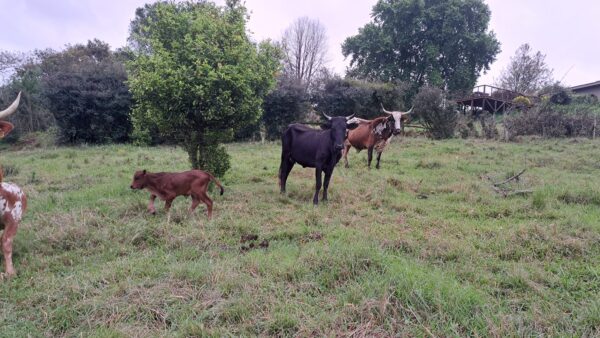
(212, 178)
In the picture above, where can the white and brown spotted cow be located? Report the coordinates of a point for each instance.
(13, 204)
(13, 201)
(374, 134)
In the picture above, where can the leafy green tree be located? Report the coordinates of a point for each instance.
(442, 43)
(85, 88)
(199, 79)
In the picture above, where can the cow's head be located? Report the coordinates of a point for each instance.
(139, 180)
(397, 118)
(6, 127)
(338, 126)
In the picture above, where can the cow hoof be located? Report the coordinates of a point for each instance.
(153, 213)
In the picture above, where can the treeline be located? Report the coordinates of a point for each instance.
(82, 94)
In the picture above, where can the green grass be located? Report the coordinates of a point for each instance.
(422, 247)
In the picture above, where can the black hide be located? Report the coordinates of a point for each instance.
(319, 149)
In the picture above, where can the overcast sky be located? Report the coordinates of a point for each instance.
(566, 31)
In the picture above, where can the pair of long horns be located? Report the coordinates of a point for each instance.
(390, 112)
(12, 108)
(347, 117)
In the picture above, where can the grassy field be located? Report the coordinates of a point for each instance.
(422, 247)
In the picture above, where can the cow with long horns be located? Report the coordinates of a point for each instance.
(319, 149)
(374, 134)
(13, 201)
(5, 126)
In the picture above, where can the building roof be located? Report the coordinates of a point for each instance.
(587, 85)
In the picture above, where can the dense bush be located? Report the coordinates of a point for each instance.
(336, 96)
(437, 114)
(547, 122)
(286, 104)
(85, 89)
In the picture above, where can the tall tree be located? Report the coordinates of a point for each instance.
(304, 44)
(200, 78)
(443, 43)
(527, 72)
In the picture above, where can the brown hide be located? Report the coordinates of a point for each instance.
(167, 186)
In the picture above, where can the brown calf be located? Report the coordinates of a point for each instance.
(374, 134)
(167, 186)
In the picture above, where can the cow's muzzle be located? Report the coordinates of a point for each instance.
(397, 131)
(339, 146)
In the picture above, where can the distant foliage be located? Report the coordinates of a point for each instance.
(548, 122)
(336, 96)
(438, 115)
(288, 103)
(33, 114)
(85, 87)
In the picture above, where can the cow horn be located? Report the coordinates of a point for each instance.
(409, 111)
(12, 108)
(385, 111)
(349, 117)
(327, 116)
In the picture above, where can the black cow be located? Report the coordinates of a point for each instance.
(319, 149)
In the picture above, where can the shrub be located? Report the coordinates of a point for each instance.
(547, 122)
(336, 96)
(439, 117)
(284, 105)
(86, 91)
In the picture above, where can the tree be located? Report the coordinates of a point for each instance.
(527, 72)
(304, 44)
(200, 79)
(85, 89)
(442, 43)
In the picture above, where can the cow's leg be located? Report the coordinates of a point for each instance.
(369, 157)
(346, 150)
(378, 159)
(168, 203)
(195, 201)
(326, 183)
(10, 230)
(286, 167)
(318, 185)
(151, 208)
(209, 204)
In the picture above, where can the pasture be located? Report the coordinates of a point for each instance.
(421, 247)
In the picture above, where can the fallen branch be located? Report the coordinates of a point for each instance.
(516, 177)
(414, 126)
(506, 192)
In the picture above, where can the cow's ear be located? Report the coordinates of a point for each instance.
(5, 128)
(144, 172)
